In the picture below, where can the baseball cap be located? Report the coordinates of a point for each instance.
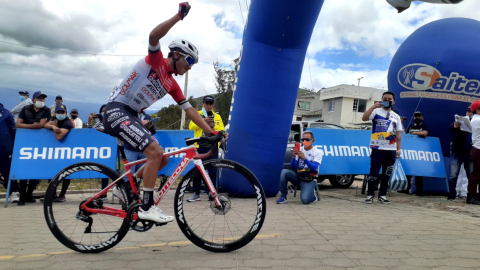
(60, 107)
(59, 97)
(39, 94)
(475, 106)
(74, 111)
(23, 93)
(208, 99)
(417, 113)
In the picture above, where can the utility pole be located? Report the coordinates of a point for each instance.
(359, 80)
(182, 121)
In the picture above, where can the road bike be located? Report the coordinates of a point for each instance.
(228, 217)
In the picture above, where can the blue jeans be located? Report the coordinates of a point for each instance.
(308, 189)
(456, 162)
(132, 156)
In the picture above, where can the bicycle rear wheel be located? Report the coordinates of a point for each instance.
(77, 228)
(227, 229)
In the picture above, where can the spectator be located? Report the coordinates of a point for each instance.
(421, 130)
(460, 149)
(33, 116)
(60, 125)
(7, 129)
(58, 101)
(24, 101)
(474, 179)
(96, 121)
(215, 121)
(305, 162)
(76, 121)
(385, 143)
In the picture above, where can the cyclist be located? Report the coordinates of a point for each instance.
(150, 80)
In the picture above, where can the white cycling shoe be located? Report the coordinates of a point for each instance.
(154, 214)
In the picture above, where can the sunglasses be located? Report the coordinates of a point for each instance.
(188, 58)
(306, 140)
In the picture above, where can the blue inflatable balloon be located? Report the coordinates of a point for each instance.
(437, 71)
(275, 42)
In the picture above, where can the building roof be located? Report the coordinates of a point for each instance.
(351, 91)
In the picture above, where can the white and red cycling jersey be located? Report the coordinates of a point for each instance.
(149, 80)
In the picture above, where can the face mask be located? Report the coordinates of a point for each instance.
(74, 117)
(39, 104)
(389, 104)
(60, 117)
(22, 98)
(417, 120)
(307, 144)
(102, 114)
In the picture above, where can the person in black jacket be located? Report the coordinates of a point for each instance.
(460, 149)
(7, 134)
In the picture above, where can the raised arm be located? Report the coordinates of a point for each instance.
(162, 29)
(366, 115)
(198, 120)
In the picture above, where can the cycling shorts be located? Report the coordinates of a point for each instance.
(123, 122)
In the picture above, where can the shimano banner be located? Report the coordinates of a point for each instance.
(37, 154)
(348, 152)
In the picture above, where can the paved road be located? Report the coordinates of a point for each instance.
(339, 232)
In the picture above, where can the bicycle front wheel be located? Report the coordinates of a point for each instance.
(236, 223)
(75, 227)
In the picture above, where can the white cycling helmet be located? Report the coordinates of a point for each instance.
(184, 46)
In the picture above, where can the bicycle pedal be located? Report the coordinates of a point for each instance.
(160, 224)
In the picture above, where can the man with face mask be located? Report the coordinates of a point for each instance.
(33, 116)
(459, 154)
(24, 101)
(306, 162)
(385, 143)
(60, 125)
(76, 121)
(421, 130)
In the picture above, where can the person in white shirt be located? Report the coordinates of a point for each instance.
(385, 143)
(24, 101)
(76, 121)
(474, 179)
(306, 163)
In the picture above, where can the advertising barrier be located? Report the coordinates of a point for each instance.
(348, 152)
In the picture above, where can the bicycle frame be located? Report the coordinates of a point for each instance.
(191, 154)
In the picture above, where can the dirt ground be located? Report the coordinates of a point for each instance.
(434, 202)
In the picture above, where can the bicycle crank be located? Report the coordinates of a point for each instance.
(138, 225)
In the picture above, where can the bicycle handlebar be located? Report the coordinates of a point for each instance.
(212, 140)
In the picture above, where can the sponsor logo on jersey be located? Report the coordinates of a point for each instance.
(124, 124)
(130, 81)
(420, 77)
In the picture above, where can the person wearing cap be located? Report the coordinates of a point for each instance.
(33, 116)
(215, 122)
(24, 101)
(76, 121)
(421, 130)
(58, 101)
(60, 125)
(474, 178)
(460, 149)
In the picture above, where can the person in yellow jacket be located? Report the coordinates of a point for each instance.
(215, 122)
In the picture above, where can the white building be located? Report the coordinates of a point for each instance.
(345, 104)
(308, 107)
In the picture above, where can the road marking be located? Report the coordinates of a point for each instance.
(177, 243)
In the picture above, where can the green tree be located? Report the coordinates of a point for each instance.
(225, 82)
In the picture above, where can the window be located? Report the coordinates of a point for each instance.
(302, 105)
(331, 105)
(359, 105)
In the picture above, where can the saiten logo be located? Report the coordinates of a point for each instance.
(420, 77)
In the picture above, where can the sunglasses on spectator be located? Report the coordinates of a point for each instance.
(306, 140)
(188, 58)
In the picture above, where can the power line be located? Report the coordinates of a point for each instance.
(71, 52)
(241, 12)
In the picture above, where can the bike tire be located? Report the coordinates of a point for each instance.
(50, 207)
(253, 220)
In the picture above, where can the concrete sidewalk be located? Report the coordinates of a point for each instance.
(339, 232)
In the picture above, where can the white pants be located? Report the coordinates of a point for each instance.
(462, 183)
